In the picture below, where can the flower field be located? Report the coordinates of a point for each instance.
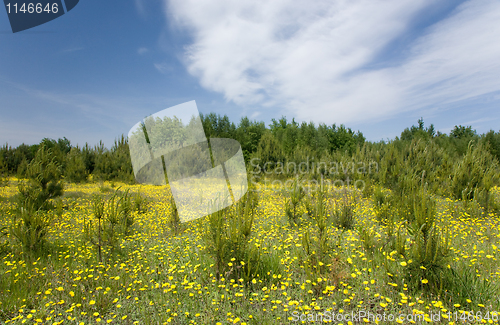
(154, 275)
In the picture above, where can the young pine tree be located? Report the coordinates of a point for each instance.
(75, 170)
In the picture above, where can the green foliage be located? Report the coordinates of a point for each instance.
(140, 203)
(461, 132)
(75, 170)
(418, 132)
(31, 225)
(467, 289)
(269, 151)
(477, 171)
(284, 142)
(317, 244)
(296, 194)
(367, 237)
(4, 244)
(112, 220)
(429, 247)
(44, 180)
(228, 242)
(382, 204)
(114, 164)
(320, 218)
(32, 220)
(174, 222)
(3, 172)
(493, 141)
(343, 213)
(22, 169)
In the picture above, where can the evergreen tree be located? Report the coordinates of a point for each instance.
(75, 170)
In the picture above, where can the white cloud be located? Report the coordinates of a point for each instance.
(310, 58)
(142, 50)
(163, 67)
(139, 5)
(72, 49)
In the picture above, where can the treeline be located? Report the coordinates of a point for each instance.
(331, 152)
(76, 164)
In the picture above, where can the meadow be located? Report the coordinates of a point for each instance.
(282, 256)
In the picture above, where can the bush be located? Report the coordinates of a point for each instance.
(367, 237)
(33, 217)
(343, 214)
(3, 172)
(114, 220)
(296, 194)
(429, 247)
(467, 289)
(477, 171)
(44, 180)
(31, 226)
(228, 237)
(320, 246)
(5, 244)
(75, 170)
(140, 203)
(174, 222)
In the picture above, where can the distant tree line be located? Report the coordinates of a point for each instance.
(269, 148)
(76, 163)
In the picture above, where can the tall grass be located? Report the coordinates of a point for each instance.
(112, 220)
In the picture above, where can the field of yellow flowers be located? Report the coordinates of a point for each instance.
(158, 276)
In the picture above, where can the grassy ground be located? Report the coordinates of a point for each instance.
(155, 276)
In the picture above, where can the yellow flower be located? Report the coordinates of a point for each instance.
(424, 281)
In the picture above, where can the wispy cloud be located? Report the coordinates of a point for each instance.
(72, 49)
(139, 5)
(142, 50)
(163, 67)
(313, 58)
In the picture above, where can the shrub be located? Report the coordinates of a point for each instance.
(31, 226)
(367, 237)
(343, 214)
(467, 289)
(44, 180)
(477, 171)
(429, 247)
(296, 194)
(5, 244)
(75, 170)
(114, 220)
(33, 218)
(3, 172)
(140, 203)
(228, 237)
(321, 244)
(174, 222)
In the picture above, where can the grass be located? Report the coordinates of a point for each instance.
(153, 278)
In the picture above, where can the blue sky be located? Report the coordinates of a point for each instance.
(376, 66)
